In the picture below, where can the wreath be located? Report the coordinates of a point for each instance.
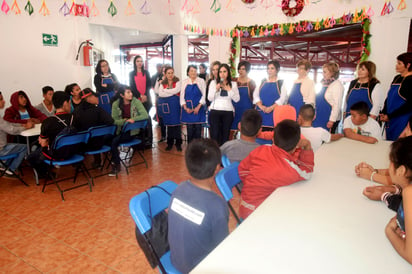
(288, 11)
(248, 1)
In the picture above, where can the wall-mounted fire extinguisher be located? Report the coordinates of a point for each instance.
(87, 53)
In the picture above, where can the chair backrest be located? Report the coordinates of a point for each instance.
(159, 199)
(225, 161)
(71, 139)
(131, 126)
(102, 131)
(261, 141)
(228, 178)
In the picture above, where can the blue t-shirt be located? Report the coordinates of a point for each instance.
(24, 115)
(198, 222)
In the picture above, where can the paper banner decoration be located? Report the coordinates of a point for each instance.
(29, 8)
(402, 5)
(86, 9)
(216, 6)
(229, 5)
(15, 7)
(267, 3)
(64, 9)
(187, 8)
(387, 8)
(196, 7)
(73, 8)
(93, 10)
(43, 9)
(5, 7)
(145, 9)
(112, 10)
(370, 12)
(129, 9)
(171, 11)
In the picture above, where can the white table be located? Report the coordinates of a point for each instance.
(324, 225)
(34, 131)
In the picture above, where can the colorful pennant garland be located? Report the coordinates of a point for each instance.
(15, 7)
(73, 8)
(229, 5)
(64, 9)
(29, 8)
(216, 6)
(43, 9)
(187, 8)
(402, 5)
(86, 9)
(112, 10)
(171, 11)
(129, 9)
(387, 8)
(5, 7)
(94, 11)
(145, 9)
(196, 7)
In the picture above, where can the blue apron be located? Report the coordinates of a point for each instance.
(323, 110)
(104, 97)
(396, 125)
(296, 98)
(169, 109)
(356, 95)
(192, 99)
(240, 107)
(268, 93)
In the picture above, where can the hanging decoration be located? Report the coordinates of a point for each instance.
(145, 9)
(248, 1)
(292, 11)
(266, 3)
(196, 7)
(29, 8)
(43, 9)
(402, 5)
(387, 8)
(229, 5)
(5, 7)
(234, 52)
(86, 9)
(129, 9)
(366, 46)
(73, 8)
(216, 6)
(187, 8)
(64, 9)
(94, 10)
(112, 10)
(171, 12)
(15, 7)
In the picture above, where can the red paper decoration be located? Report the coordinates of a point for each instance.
(291, 12)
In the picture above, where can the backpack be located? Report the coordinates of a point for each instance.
(68, 151)
(69, 129)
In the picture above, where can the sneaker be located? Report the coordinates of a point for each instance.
(114, 171)
(179, 147)
(10, 176)
(169, 148)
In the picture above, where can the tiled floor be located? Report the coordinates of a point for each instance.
(90, 232)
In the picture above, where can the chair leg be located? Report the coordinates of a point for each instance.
(234, 213)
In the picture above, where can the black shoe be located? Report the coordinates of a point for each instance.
(169, 148)
(96, 165)
(162, 140)
(114, 171)
(179, 147)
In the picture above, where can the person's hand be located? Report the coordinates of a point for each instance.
(218, 87)
(196, 110)
(384, 117)
(392, 227)
(144, 98)
(35, 120)
(43, 142)
(104, 85)
(188, 110)
(28, 125)
(304, 144)
(268, 109)
(364, 170)
(375, 192)
(372, 140)
(330, 124)
(131, 121)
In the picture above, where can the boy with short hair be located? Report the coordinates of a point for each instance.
(288, 161)
(198, 217)
(359, 126)
(46, 106)
(316, 135)
(249, 126)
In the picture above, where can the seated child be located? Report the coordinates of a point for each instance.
(316, 135)
(73, 90)
(280, 113)
(359, 126)
(9, 148)
(288, 161)
(249, 126)
(46, 106)
(198, 217)
(21, 111)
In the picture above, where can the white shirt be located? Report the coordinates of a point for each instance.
(307, 90)
(167, 92)
(202, 87)
(371, 128)
(283, 94)
(222, 102)
(316, 136)
(334, 96)
(378, 99)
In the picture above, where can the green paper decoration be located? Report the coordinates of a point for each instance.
(112, 10)
(29, 8)
(366, 45)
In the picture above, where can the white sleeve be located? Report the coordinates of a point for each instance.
(308, 91)
(182, 93)
(202, 86)
(347, 123)
(234, 92)
(212, 91)
(377, 99)
(375, 129)
(157, 87)
(283, 95)
(167, 92)
(336, 89)
(325, 136)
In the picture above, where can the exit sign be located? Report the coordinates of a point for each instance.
(50, 40)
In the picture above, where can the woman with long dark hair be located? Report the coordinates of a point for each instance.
(105, 82)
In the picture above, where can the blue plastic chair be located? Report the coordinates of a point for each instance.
(3, 161)
(226, 180)
(77, 160)
(139, 209)
(225, 161)
(126, 128)
(261, 141)
(101, 131)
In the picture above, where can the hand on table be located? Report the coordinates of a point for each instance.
(28, 125)
(375, 192)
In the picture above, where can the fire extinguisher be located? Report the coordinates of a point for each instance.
(87, 53)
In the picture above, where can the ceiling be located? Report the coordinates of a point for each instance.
(124, 36)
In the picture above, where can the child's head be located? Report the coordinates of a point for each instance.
(22, 99)
(306, 113)
(61, 100)
(401, 160)
(125, 92)
(250, 123)
(359, 113)
(89, 96)
(287, 135)
(73, 90)
(48, 93)
(202, 158)
(102, 67)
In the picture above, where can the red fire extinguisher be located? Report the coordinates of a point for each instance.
(87, 53)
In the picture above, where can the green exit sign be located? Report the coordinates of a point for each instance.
(50, 40)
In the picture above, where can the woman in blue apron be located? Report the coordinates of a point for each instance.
(192, 101)
(329, 99)
(105, 83)
(365, 88)
(246, 87)
(169, 106)
(398, 104)
(272, 92)
(303, 91)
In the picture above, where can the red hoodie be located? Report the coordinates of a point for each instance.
(12, 113)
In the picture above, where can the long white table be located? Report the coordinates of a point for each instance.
(324, 225)
(34, 131)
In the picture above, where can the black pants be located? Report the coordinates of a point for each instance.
(162, 127)
(174, 134)
(334, 127)
(194, 131)
(220, 123)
